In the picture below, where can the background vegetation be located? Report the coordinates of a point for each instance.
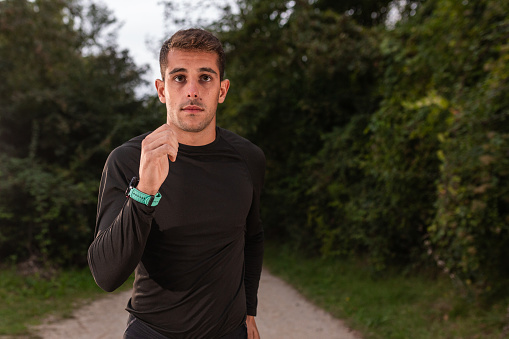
(67, 97)
(386, 135)
(385, 140)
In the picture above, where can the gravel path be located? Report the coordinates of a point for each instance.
(282, 313)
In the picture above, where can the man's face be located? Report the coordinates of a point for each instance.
(192, 89)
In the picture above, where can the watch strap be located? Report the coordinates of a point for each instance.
(146, 199)
(139, 196)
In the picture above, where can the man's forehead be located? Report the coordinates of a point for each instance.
(195, 58)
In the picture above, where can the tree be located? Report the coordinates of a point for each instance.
(65, 95)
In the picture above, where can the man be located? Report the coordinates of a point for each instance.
(188, 223)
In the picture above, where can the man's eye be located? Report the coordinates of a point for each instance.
(206, 77)
(179, 78)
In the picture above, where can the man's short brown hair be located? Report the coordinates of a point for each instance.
(193, 39)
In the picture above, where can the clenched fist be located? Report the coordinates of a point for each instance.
(156, 149)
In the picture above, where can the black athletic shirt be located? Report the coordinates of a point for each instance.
(198, 254)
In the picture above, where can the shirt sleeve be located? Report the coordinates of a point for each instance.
(254, 247)
(122, 226)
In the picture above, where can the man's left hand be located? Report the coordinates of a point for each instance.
(252, 330)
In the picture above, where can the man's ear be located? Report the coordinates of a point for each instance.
(160, 90)
(225, 85)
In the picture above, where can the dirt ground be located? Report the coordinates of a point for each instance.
(282, 313)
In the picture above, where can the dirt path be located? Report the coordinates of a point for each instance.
(282, 313)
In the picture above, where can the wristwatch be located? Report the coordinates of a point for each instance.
(136, 195)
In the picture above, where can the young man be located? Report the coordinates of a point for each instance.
(180, 207)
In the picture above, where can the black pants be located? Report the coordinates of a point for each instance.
(137, 329)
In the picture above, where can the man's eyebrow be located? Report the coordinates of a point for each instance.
(177, 70)
(184, 70)
(207, 69)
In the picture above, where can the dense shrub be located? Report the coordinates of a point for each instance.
(470, 233)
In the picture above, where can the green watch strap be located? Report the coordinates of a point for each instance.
(146, 199)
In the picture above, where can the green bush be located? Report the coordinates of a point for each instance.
(470, 233)
(44, 212)
(425, 177)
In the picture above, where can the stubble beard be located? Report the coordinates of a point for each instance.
(186, 126)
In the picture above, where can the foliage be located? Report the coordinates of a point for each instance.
(43, 212)
(391, 143)
(310, 80)
(365, 12)
(430, 148)
(65, 96)
(469, 236)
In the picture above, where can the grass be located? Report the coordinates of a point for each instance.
(392, 306)
(28, 299)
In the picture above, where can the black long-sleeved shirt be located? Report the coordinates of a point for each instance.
(197, 256)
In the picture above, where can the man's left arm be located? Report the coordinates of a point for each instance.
(253, 254)
(253, 250)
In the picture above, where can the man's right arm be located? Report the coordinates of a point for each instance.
(123, 225)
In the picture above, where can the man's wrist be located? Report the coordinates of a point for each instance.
(136, 194)
(145, 189)
(145, 199)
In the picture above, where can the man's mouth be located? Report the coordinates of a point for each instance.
(192, 108)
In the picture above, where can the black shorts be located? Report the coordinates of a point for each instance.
(137, 329)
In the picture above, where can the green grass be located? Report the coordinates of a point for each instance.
(394, 305)
(27, 300)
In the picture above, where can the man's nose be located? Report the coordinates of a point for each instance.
(192, 90)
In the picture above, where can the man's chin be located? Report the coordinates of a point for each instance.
(194, 128)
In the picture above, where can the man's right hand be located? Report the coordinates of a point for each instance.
(156, 149)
